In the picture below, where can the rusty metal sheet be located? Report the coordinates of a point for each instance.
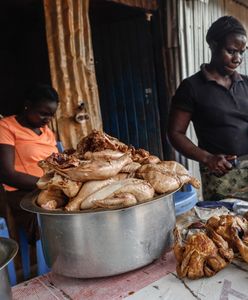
(72, 68)
(145, 4)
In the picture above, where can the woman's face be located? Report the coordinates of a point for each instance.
(40, 114)
(230, 55)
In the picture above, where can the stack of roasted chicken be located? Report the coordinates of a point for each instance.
(201, 250)
(106, 173)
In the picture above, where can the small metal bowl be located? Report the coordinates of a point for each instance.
(8, 250)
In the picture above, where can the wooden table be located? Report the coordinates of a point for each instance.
(155, 281)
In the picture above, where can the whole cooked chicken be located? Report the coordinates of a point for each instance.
(89, 169)
(99, 141)
(87, 189)
(234, 230)
(140, 189)
(51, 199)
(240, 238)
(104, 172)
(198, 256)
(98, 144)
(166, 176)
(53, 180)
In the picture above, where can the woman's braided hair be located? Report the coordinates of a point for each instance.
(222, 27)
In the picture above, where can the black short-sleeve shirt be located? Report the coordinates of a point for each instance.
(219, 115)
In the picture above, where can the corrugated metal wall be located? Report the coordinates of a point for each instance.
(194, 18)
(126, 79)
(145, 4)
(240, 11)
(72, 68)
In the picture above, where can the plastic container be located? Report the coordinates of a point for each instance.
(185, 201)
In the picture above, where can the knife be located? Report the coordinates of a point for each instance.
(215, 204)
(238, 206)
(240, 162)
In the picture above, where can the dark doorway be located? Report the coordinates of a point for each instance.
(23, 51)
(124, 61)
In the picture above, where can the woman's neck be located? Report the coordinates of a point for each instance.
(21, 119)
(222, 79)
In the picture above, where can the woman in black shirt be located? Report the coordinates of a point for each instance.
(215, 99)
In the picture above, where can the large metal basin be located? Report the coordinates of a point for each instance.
(8, 250)
(104, 243)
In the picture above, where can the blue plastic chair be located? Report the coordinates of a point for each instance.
(42, 268)
(11, 267)
(185, 200)
(41, 263)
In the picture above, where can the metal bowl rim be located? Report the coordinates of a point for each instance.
(13, 246)
(31, 206)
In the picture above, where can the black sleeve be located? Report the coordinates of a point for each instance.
(183, 98)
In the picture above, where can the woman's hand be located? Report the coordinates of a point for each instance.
(219, 164)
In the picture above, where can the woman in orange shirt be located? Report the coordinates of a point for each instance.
(26, 139)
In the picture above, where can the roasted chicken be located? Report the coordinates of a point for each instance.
(104, 172)
(140, 189)
(56, 181)
(87, 189)
(89, 169)
(99, 141)
(51, 199)
(234, 230)
(98, 144)
(166, 176)
(198, 255)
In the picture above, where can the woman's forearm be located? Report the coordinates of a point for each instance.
(185, 146)
(19, 180)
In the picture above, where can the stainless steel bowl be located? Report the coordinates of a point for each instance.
(8, 250)
(104, 243)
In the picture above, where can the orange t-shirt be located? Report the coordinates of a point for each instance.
(29, 147)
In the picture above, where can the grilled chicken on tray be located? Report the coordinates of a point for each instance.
(198, 255)
(211, 248)
(234, 230)
(105, 173)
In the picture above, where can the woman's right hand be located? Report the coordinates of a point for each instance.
(219, 164)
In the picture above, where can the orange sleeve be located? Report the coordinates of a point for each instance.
(6, 135)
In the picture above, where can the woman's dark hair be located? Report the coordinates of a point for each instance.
(222, 27)
(39, 92)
